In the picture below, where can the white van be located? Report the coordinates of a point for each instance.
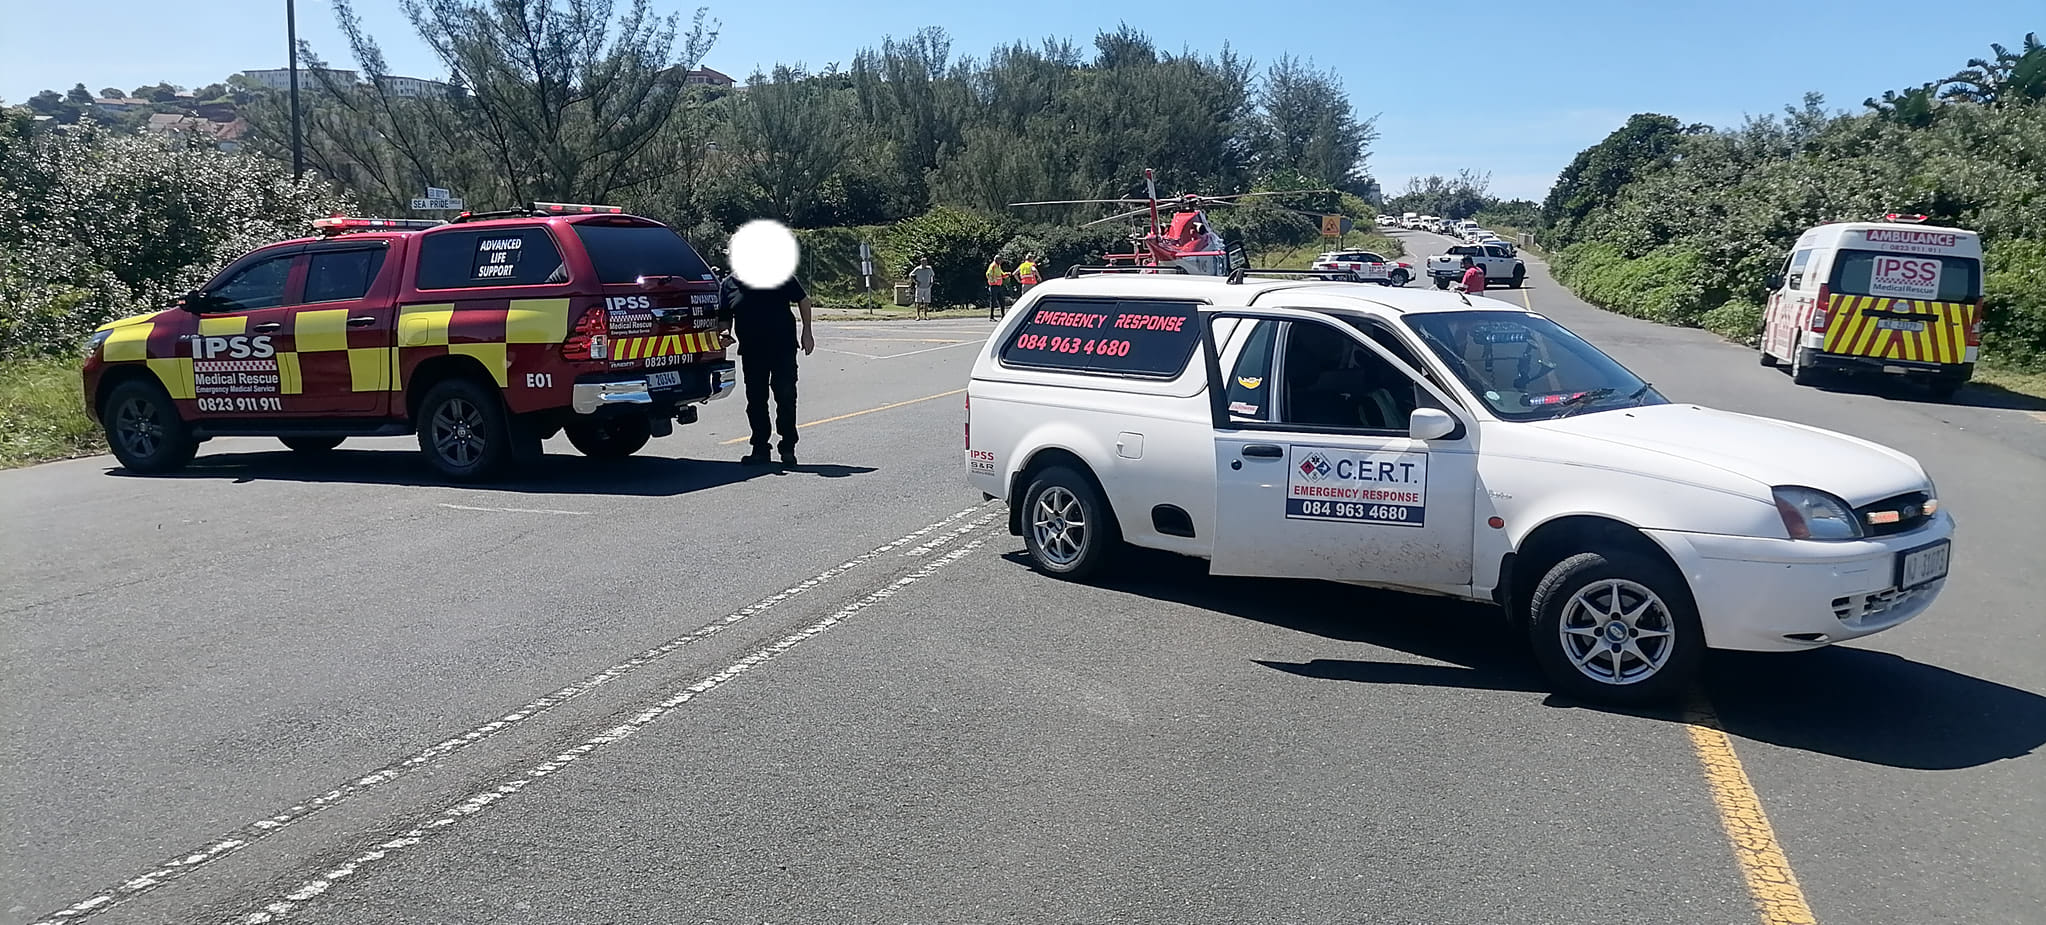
(1894, 297)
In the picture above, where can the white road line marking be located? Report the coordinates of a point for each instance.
(470, 807)
(892, 356)
(949, 536)
(511, 510)
(178, 865)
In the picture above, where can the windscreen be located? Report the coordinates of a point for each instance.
(1930, 277)
(1525, 367)
(624, 253)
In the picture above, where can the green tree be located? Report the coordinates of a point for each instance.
(111, 93)
(1595, 177)
(2005, 77)
(79, 95)
(1306, 123)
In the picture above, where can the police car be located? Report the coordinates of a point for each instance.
(1367, 267)
(1445, 444)
(484, 336)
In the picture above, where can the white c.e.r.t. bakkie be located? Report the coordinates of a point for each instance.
(1447, 444)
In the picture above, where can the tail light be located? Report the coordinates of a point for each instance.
(1975, 324)
(969, 422)
(1820, 308)
(589, 339)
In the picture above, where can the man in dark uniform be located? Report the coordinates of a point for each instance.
(763, 322)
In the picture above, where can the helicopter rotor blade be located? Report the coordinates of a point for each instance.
(1297, 192)
(1078, 202)
(1113, 218)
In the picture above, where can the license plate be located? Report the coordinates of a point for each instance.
(667, 380)
(1899, 324)
(1922, 566)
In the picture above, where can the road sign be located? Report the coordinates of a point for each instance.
(435, 192)
(867, 264)
(440, 204)
(1333, 226)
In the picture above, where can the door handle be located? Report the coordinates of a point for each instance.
(268, 326)
(362, 322)
(1263, 451)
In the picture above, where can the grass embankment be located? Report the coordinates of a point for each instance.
(42, 415)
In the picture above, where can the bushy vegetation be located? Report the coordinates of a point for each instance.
(42, 413)
(1684, 224)
(96, 224)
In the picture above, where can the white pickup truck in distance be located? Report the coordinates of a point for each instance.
(1443, 444)
(1498, 261)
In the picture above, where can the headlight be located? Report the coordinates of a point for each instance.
(1810, 514)
(1931, 497)
(92, 343)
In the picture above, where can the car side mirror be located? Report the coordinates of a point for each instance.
(198, 302)
(1430, 424)
(1774, 281)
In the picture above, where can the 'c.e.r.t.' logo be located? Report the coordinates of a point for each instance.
(1315, 467)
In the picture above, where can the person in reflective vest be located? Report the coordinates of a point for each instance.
(1026, 272)
(996, 276)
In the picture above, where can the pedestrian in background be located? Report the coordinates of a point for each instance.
(1473, 277)
(921, 280)
(764, 321)
(996, 276)
(1026, 272)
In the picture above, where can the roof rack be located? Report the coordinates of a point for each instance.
(1335, 276)
(1077, 271)
(541, 208)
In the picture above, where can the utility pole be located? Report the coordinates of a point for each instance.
(297, 142)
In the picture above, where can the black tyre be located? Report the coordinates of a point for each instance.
(1768, 360)
(144, 430)
(1067, 526)
(1399, 277)
(464, 432)
(610, 438)
(1616, 627)
(1519, 277)
(311, 445)
(1442, 282)
(1802, 371)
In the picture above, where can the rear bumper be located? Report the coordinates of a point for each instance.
(1848, 362)
(698, 385)
(1768, 595)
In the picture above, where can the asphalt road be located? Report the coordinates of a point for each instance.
(679, 690)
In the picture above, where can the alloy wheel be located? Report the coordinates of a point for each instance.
(140, 429)
(458, 432)
(1617, 631)
(1060, 526)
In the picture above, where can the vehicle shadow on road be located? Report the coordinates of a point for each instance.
(556, 474)
(1851, 703)
(1896, 388)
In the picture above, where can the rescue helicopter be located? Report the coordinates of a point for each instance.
(1178, 233)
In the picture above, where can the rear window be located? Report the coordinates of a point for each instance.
(1151, 339)
(624, 253)
(1907, 276)
(489, 257)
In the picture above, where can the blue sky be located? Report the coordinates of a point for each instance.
(1513, 87)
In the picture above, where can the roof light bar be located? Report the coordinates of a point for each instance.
(574, 208)
(1901, 217)
(340, 224)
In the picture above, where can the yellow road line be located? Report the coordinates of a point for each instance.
(1771, 883)
(1525, 301)
(855, 414)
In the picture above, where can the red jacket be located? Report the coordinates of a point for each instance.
(1474, 279)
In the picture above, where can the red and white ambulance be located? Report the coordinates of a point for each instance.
(1897, 296)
